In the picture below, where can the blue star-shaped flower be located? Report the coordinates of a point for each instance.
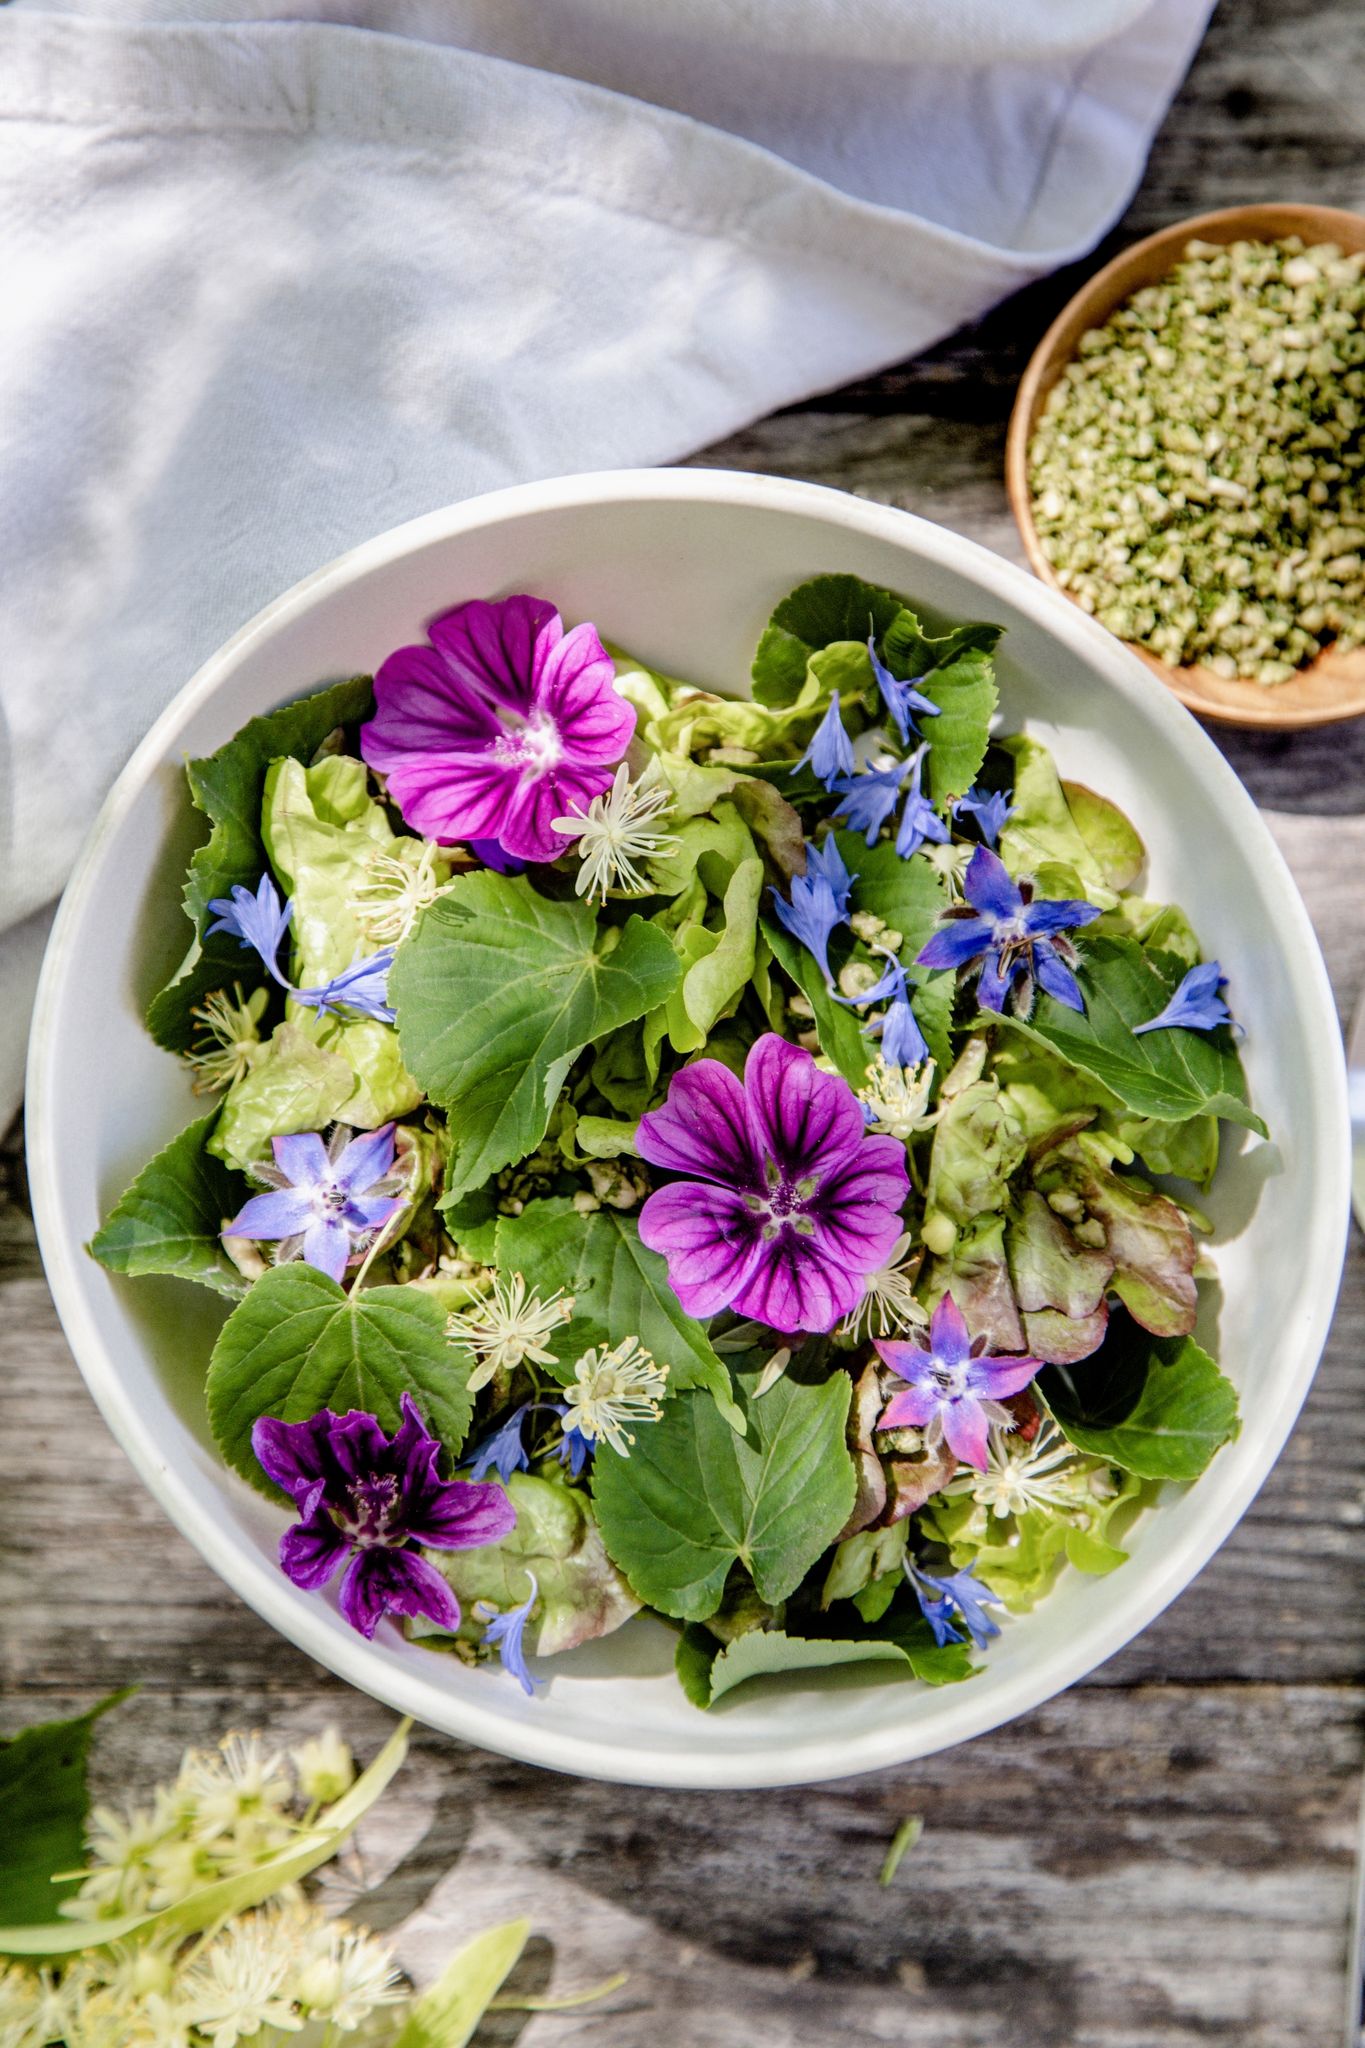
(869, 798)
(902, 1041)
(819, 902)
(990, 811)
(955, 1597)
(902, 700)
(830, 752)
(1197, 1005)
(1015, 939)
(919, 819)
(506, 1633)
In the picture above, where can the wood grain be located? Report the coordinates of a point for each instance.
(1161, 1857)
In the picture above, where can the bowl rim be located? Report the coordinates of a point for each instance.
(1195, 685)
(402, 1685)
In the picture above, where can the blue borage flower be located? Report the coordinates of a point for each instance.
(1012, 938)
(819, 902)
(902, 700)
(919, 819)
(325, 1201)
(830, 753)
(902, 1041)
(991, 810)
(869, 798)
(1196, 1005)
(956, 1597)
(260, 921)
(506, 1632)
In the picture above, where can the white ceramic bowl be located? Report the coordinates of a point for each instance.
(683, 567)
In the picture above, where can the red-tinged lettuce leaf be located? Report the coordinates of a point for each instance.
(1059, 1283)
(1147, 1237)
(976, 1274)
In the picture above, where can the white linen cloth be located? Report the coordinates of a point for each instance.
(268, 286)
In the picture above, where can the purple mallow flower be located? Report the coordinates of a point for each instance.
(819, 902)
(952, 1598)
(324, 1200)
(991, 811)
(902, 1040)
(506, 1632)
(869, 798)
(502, 724)
(1196, 1005)
(902, 700)
(1015, 939)
(954, 1390)
(261, 921)
(919, 819)
(368, 1497)
(787, 1204)
(830, 753)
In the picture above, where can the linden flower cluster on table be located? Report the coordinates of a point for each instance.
(694, 1115)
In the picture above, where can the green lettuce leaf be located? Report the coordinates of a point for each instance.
(1045, 830)
(1114, 845)
(581, 1595)
(320, 827)
(1156, 1406)
(169, 1220)
(299, 1343)
(1020, 1556)
(497, 992)
(827, 609)
(293, 1084)
(708, 1673)
(44, 1800)
(1171, 1075)
(978, 1144)
(228, 787)
(694, 1498)
(620, 1289)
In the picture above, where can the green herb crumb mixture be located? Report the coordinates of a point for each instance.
(1198, 475)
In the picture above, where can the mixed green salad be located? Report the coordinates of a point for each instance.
(738, 1158)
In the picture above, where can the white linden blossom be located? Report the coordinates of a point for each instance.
(1048, 1474)
(238, 1784)
(613, 1388)
(324, 1767)
(614, 832)
(240, 1982)
(122, 1855)
(889, 1296)
(508, 1327)
(898, 1098)
(344, 1973)
(388, 902)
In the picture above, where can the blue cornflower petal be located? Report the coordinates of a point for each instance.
(989, 810)
(830, 752)
(919, 819)
(259, 921)
(575, 1451)
(1196, 1005)
(900, 699)
(363, 987)
(503, 1451)
(818, 903)
(506, 1632)
(961, 1592)
(903, 1043)
(868, 799)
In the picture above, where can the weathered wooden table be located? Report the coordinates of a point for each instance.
(1162, 1856)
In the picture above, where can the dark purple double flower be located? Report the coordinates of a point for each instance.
(787, 1204)
(370, 1498)
(1015, 938)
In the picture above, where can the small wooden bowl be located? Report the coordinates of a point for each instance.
(1332, 686)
